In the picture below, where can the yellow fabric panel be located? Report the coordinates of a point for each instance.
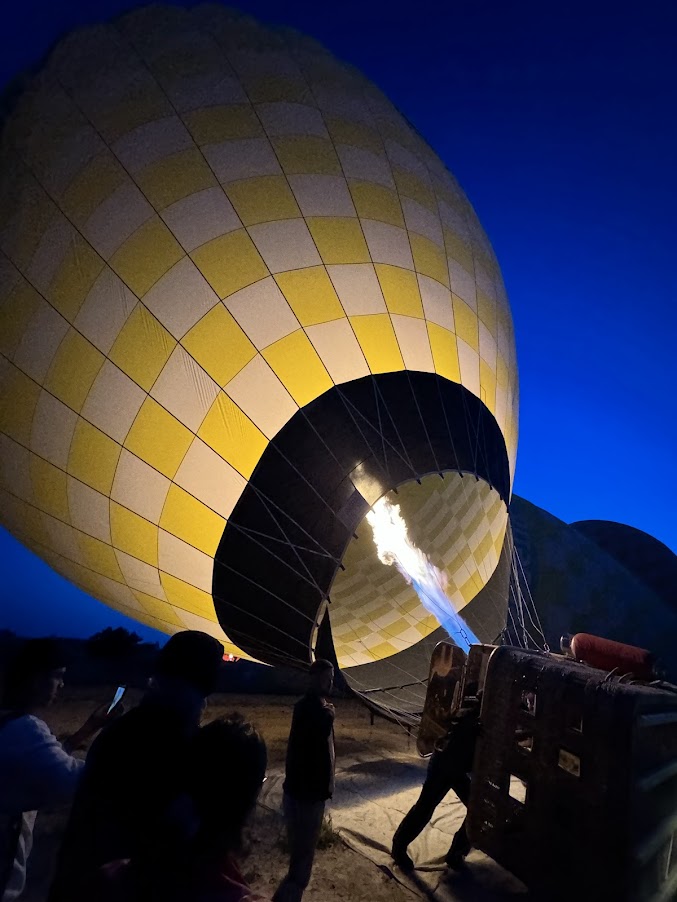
(377, 339)
(93, 457)
(445, 352)
(311, 295)
(143, 347)
(230, 262)
(73, 370)
(191, 520)
(174, 177)
(486, 310)
(502, 371)
(50, 488)
(275, 89)
(299, 367)
(99, 557)
(29, 229)
(17, 406)
(187, 597)
(400, 290)
(142, 103)
(157, 608)
(233, 436)
(355, 134)
(263, 199)
(465, 320)
(153, 421)
(134, 535)
(376, 202)
(382, 650)
(410, 186)
(146, 256)
(458, 249)
(74, 278)
(429, 259)
(219, 345)
(488, 385)
(16, 312)
(100, 178)
(24, 520)
(306, 155)
(339, 239)
(215, 124)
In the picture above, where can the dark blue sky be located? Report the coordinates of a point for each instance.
(559, 122)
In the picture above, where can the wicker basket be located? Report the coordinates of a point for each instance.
(575, 780)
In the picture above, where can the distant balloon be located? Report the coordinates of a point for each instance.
(240, 300)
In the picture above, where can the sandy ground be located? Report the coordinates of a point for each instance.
(339, 872)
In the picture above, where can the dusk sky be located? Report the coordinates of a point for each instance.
(559, 122)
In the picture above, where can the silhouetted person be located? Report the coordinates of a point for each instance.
(309, 778)
(449, 768)
(129, 798)
(36, 770)
(226, 767)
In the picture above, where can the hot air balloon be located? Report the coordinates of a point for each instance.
(241, 300)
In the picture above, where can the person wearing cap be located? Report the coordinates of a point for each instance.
(131, 799)
(36, 769)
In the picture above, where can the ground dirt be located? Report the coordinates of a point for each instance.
(339, 873)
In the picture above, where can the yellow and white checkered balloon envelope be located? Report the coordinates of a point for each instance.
(241, 300)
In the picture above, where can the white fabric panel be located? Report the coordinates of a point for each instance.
(152, 141)
(419, 219)
(113, 402)
(116, 218)
(339, 350)
(362, 164)
(75, 151)
(453, 219)
(412, 337)
(139, 487)
(487, 346)
(204, 91)
(105, 310)
(437, 304)
(181, 297)
(40, 341)
(62, 538)
(208, 477)
(285, 245)
(196, 219)
(195, 622)
(405, 159)
(242, 159)
(179, 559)
(387, 243)
(469, 363)
(263, 312)
(185, 389)
(119, 594)
(484, 282)
(89, 510)
(141, 576)
(50, 253)
(52, 432)
(15, 473)
(334, 99)
(260, 394)
(291, 119)
(322, 195)
(462, 284)
(357, 287)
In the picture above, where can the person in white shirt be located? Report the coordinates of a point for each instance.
(36, 770)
